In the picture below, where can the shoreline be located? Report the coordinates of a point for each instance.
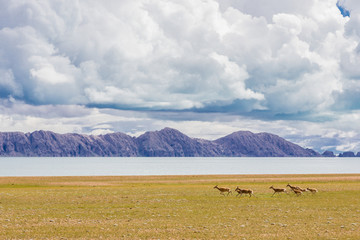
(229, 178)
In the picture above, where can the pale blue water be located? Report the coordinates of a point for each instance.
(173, 166)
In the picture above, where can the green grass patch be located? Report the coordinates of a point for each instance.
(178, 207)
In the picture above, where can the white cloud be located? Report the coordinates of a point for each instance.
(46, 73)
(191, 53)
(233, 78)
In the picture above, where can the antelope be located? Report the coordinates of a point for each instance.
(222, 190)
(246, 191)
(292, 187)
(302, 189)
(296, 187)
(278, 190)
(312, 190)
(297, 191)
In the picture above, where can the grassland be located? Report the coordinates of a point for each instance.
(178, 207)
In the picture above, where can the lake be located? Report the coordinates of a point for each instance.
(117, 166)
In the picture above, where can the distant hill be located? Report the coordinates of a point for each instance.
(248, 144)
(164, 143)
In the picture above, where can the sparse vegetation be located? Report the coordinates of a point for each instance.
(178, 207)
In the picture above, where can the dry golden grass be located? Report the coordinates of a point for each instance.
(178, 207)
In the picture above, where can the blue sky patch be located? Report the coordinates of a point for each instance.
(343, 10)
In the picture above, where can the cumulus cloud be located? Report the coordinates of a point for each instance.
(193, 54)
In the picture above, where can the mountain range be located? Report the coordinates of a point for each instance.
(167, 142)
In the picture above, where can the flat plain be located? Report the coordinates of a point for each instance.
(179, 207)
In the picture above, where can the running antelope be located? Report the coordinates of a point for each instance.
(246, 191)
(312, 190)
(297, 191)
(302, 189)
(292, 187)
(278, 190)
(296, 187)
(222, 190)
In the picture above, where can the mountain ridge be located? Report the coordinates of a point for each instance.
(167, 142)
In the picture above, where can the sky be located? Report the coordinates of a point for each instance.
(205, 67)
